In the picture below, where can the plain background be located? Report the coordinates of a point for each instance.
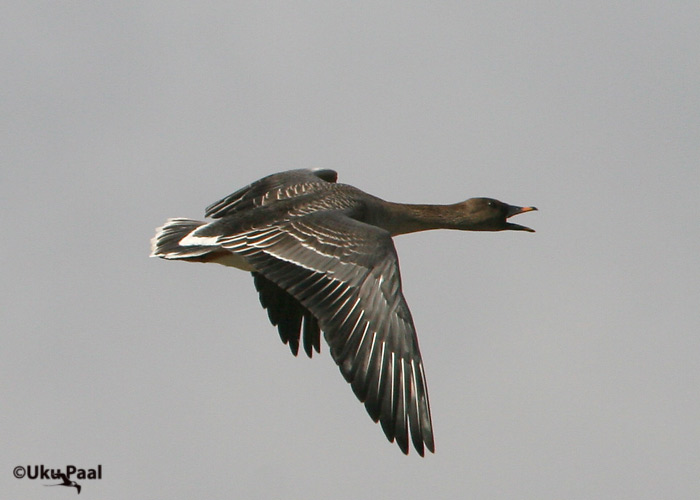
(561, 364)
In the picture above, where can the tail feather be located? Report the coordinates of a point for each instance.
(166, 243)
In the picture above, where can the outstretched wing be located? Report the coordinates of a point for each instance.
(346, 274)
(287, 314)
(272, 188)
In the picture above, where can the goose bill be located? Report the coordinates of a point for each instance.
(515, 211)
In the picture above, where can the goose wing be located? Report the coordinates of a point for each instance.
(272, 188)
(346, 274)
(287, 314)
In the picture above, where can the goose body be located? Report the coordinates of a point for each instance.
(323, 260)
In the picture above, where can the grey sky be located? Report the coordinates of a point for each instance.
(561, 364)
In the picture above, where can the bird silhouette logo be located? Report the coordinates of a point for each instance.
(66, 482)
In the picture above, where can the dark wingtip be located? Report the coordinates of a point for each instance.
(326, 174)
(402, 441)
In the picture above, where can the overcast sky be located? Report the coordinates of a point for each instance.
(561, 364)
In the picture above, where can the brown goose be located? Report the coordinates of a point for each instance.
(322, 259)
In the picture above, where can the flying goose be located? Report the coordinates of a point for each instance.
(322, 259)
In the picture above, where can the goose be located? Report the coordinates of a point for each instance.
(323, 260)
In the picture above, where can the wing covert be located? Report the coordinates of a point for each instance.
(272, 188)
